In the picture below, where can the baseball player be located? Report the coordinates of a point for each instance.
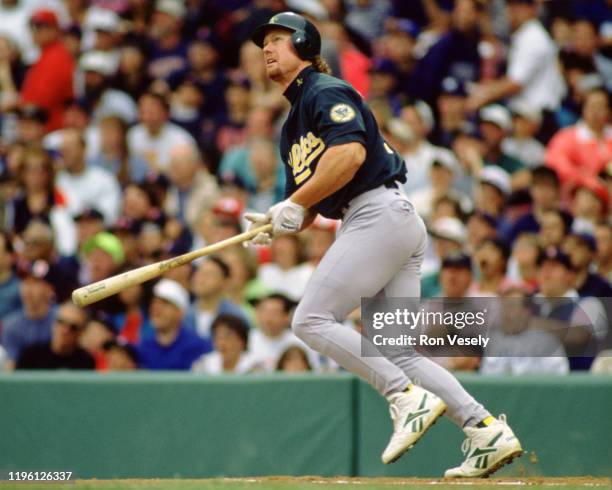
(338, 165)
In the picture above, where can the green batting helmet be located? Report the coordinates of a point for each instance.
(306, 38)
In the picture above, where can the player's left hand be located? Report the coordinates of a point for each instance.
(257, 220)
(286, 217)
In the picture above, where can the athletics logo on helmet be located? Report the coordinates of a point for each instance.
(305, 38)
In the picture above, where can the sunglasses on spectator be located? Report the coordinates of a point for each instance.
(74, 327)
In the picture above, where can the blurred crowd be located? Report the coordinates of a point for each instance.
(135, 130)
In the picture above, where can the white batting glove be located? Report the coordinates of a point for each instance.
(257, 220)
(286, 217)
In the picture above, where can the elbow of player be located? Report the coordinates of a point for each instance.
(355, 155)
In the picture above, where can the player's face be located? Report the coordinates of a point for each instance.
(279, 55)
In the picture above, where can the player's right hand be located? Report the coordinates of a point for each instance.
(257, 220)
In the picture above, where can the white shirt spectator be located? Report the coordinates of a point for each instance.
(93, 188)
(292, 283)
(529, 151)
(419, 162)
(532, 63)
(141, 143)
(508, 354)
(212, 363)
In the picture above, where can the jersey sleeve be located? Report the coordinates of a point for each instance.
(337, 115)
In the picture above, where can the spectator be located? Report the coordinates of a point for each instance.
(10, 300)
(417, 152)
(584, 324)
(95, 335)
(523, 263)
(168, 48)
(273, 335)
(89, 223)
(132, 76)
(492, 189)
(532, 76)
(62, 351)
(554, 225)
(31, 125)
(86, 186)
(230, 336)
(154, 137)
(268, 188)
(522, 144)
(102, 100)
(37, 243)
(491, 258)
(32, 323)
(192, 189)
(41, 200)
(582, 248)
(603, 240)
(101, 33)
(320, 236)
(456, 54)
(293, 360)
(517, 346)
(579, 153)
(103, 256)
(209, 286)
(120, 356)
(131, 321)
(545, 194)
(173, 347)
(451, 108)
(48, 82)
(589, 205)
(114, 155)
(449, 236)
(480, 227)
(287, 273)
(495, 125)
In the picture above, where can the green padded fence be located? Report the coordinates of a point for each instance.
(157, 425)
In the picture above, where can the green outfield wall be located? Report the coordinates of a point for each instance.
(161, 425)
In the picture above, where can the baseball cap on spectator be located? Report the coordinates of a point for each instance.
(448, 228)
(38, 269)
(98, 62)
(526, 111)
(89, 214)
(545, 175)
(108, 243)
(489, 219)
(445, 162)
(586, 239)
(458, 260)
(382, 65)
(32, 112)
(453, 86)
(173, 292)
(497, 177)
(554, 254)
(590, 81)
(229, 207)
(407, 26)
(175, 8)
(496, 114)
(425, 113)
(102, 19)
(288, 303)
(44, 16)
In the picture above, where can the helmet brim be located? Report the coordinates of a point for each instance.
(260, 32)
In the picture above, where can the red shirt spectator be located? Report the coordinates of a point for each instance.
(48, 83)
(579, 153)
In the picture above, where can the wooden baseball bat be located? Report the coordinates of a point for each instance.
(107, 287)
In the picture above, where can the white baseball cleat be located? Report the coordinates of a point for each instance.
(412, 412)
(487, 449)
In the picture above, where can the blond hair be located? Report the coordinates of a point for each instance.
(321, 65)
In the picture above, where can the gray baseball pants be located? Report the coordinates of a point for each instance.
(378, 250)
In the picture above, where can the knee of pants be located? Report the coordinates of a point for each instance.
(306, 324)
